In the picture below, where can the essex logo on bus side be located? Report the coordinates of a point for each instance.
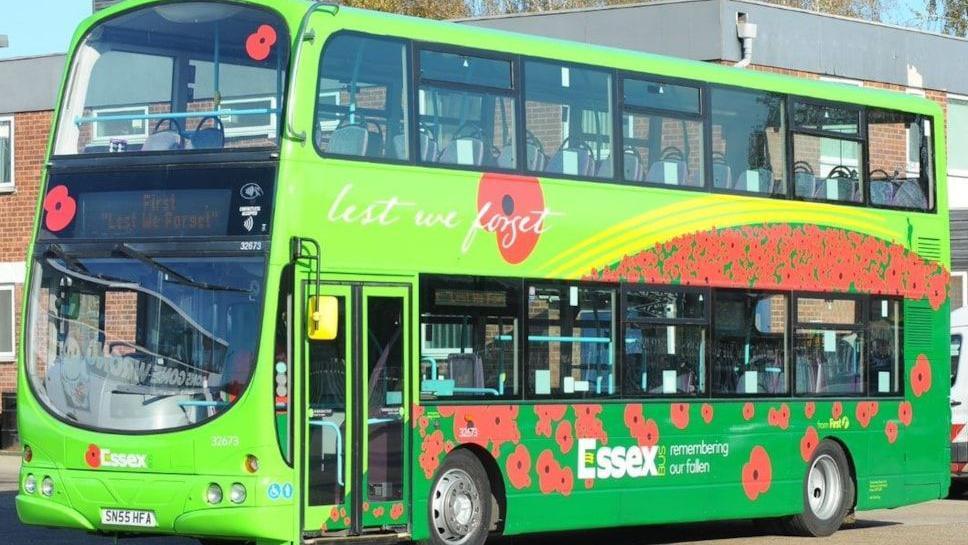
(615, 462)
(97, 458)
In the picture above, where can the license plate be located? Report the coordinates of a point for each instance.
(128, 517)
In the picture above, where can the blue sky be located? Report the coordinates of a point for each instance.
(36, 27)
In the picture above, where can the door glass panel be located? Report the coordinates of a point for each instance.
(327, 415)
(384, 369)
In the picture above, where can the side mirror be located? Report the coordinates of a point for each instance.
(322, 318)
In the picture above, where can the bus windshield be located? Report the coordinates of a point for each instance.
(176, 77)
(129, 342)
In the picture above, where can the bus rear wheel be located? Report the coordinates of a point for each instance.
(460, 502)
(828, 493)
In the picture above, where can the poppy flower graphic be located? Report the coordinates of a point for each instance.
(378, 512)
(587, 423)
(757, 473)
(749, 411)
(645, 431)
(396, 511)
(518, 466)
(809, 409)
(547, 467)
(707, 413)
(513, 208)
(890, 430)
(430, 451)
(334, 514)
(93, 456)
(259, 44)
(566, 481)
(836, 410)
(60, 208)
(905, 413)
(864, 413)
(366, 506)
(547, 415)
(921, 376)
(808, 443)
(564, 437)
(679, 413)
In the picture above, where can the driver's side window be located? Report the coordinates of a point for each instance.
(568, 117)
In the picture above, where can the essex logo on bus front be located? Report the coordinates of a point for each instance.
(96, 457)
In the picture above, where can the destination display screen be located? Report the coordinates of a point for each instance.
(159, 202)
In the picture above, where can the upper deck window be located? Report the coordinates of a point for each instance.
(748, 139)
(187, 76)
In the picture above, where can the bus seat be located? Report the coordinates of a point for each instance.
(374, 144)
(349, 140)
(882, 192)
(603, 168)
(463, 151)
(667, 172)
(506, 157)
(910, 195)
(631, 166)
(571, 161)
(759, 180)
(536, 159)
(165, 141)
(722, 175)
(805, 184)
(836, 189)
(466, 370)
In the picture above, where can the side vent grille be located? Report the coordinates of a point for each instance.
(918, 325)
(929, 248)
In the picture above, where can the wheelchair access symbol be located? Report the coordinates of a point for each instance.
(279, 491)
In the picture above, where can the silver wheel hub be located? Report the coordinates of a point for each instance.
(825, 487)
(456, 507)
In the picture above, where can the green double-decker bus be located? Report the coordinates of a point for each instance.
(310, 274)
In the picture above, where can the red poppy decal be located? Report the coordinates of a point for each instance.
(905, 413)
(921, 376)
(785, 257)
(552, 477)
(645, 431)
(707, 413)
(334, 514)
(430, 451)
(378, 512)
(679, 413)
(419, 419)
(491, 425)
(396, 511)
(779, 418)
(60, 208)
(366, 506)
(587, 423)
(93, 456)
(757, 473)
(564, 437)
(866, 410)
(547, 415)
(259, 44)
(513, 208)
(890, 430)
(808, 443)
(836, 410)
(518, 467)
(809, 409)
(749, 411)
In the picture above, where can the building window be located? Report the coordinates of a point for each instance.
(6, 153)
(959, 289)
(749, 354)
(7, 321)
(957, 136)
(666, 333)
(250, 125)
(132, 131)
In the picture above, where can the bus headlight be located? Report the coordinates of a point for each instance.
(214, 494)
(30, 484)
(237, 493)
(47, 487)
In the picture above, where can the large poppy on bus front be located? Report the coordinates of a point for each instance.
(513, 208)
(60, 208)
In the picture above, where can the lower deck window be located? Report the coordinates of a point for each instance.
(749, 356)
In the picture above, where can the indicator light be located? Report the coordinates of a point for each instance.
(251, 463)
(214, 494)
(28, 454)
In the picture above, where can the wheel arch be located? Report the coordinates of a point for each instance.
(496, 479)
(851, 465)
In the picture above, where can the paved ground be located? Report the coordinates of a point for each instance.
(940, 522)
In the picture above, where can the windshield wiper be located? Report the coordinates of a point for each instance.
(171, 274)
(71, 262)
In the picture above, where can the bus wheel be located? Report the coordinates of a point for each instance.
(828, 493)
(460, 501)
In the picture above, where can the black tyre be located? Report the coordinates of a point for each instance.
(958, 488)
(460, 501)
(828, 493)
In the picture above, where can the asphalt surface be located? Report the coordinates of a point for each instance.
(943, 522)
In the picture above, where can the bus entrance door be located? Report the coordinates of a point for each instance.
(355, 398)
